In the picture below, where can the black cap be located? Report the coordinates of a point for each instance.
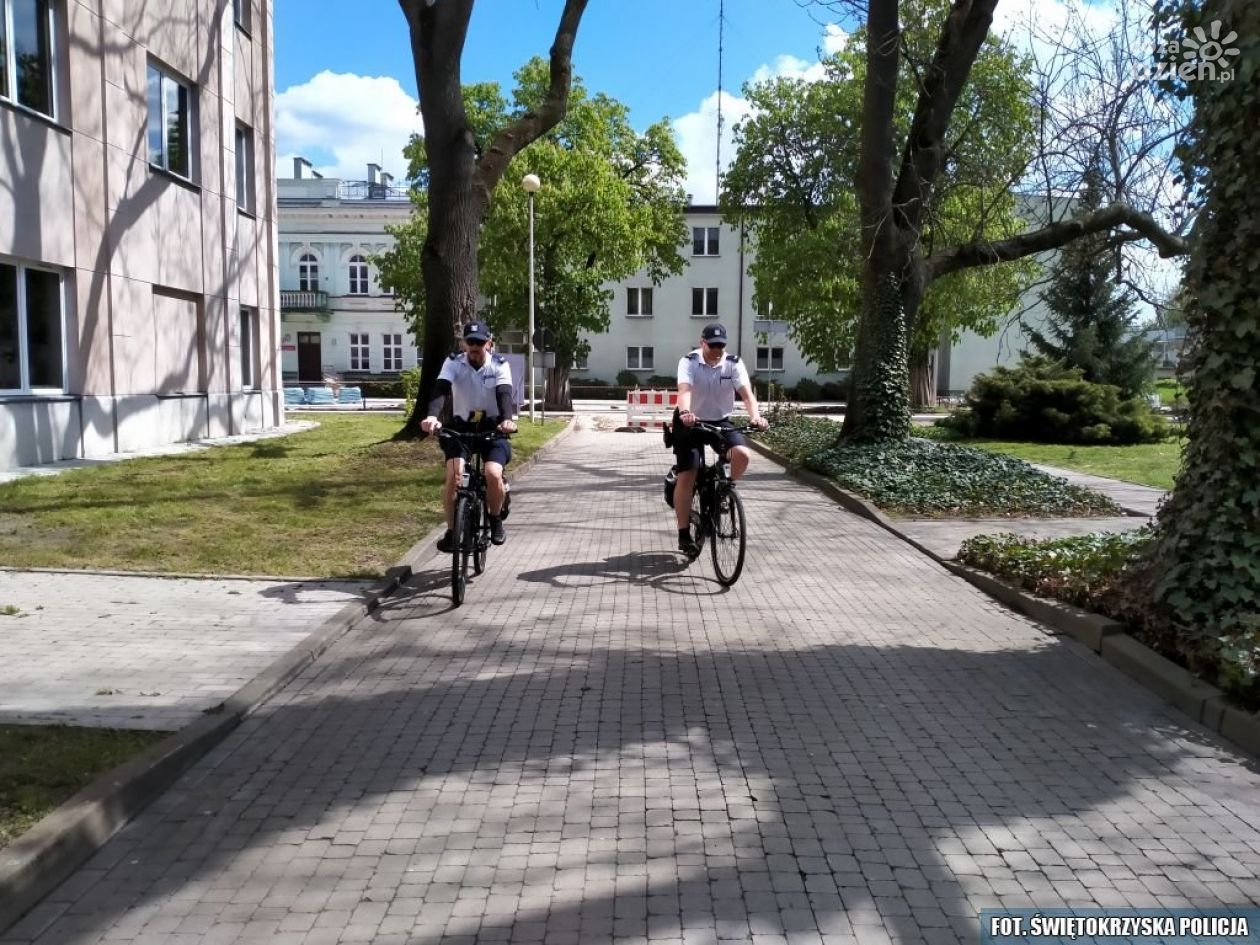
(476, 331)
(714, 334)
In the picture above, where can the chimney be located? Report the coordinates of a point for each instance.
(300, 164)
(374, 172)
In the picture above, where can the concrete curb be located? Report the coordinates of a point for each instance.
(1197, 699)
(41, 858)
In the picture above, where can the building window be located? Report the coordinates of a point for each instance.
(358, 275)
(245, 168)
(31, 355)
(638, 302)
(360, 357)
(241, 13)
(639, 359)
(704, 303)
(769, 326)
(580, 362)
(510, 342)
(704, 241)
(26, 54)
(249, 349)
(170, 123)
(393, 352)
(308, 273)
(769, 359)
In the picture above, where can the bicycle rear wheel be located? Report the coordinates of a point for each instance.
(728, 535)
(476, 536)
(462, 552)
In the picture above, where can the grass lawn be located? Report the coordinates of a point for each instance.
(1151, 464)
(337, 501)
(43, 765)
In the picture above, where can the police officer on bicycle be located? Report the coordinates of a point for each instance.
(480, 384)
(709, 379)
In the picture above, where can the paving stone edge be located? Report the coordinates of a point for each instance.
(39, 860)
(1202, 702)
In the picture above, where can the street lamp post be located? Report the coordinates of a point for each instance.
(530, 183)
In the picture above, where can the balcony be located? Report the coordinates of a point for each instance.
(299, 301)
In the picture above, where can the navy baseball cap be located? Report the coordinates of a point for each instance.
(476, 331)
(714, 334)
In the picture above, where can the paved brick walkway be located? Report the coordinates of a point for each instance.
(600, 746)
(128, 651)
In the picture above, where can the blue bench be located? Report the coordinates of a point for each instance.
(350, 395)
(319, 396)
(294, 396)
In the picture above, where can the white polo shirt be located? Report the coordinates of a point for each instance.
(472, 389)
(713, 389)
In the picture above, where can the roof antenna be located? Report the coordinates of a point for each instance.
(717, 171)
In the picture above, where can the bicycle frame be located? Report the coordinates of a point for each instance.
(471, 528)
(717, 514)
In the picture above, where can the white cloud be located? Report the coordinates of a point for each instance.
(834, 38)
(342, 122)
(697, 138)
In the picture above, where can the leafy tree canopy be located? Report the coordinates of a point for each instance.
(611, 205)
(794, 183)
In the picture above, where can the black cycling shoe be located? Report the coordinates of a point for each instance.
(498, 535)
(446, 543)
(689, 547)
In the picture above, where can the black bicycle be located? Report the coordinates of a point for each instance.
(717, 511)
(471, 534)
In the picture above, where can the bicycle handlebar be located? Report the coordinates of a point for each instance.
(471, 435)
(718, 431)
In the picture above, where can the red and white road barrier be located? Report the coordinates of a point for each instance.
(650, 409)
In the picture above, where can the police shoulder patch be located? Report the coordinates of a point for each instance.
(453, 356)
(500, 359)
(694, 356)
(733, 358)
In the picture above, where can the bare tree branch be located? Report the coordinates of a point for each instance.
(987, 252)
(534, 124)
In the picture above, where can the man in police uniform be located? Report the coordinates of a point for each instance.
(480, 384)
(708, 381)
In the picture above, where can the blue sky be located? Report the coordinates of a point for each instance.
(346, 82)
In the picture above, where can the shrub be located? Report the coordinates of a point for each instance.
(1080, 569)
(807, 389)
(661, 381)
(628, 378)
(1043, 402)
(391, 388)
(411, 386)
(834, 390)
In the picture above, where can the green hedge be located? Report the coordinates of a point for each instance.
(925, 478)
(1042, 402)
(1091, 571)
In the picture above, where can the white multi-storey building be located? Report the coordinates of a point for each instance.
(651, 327)
(137, 228)
(335, 319)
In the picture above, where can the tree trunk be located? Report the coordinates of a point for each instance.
(559, 394)
(878, 407)
(1200, 579)
(923, 379)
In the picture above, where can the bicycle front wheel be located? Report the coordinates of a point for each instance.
(728, 536)
(699, 519)
(463, 549)
(476, 537)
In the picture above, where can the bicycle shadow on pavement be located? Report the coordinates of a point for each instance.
(665, 571)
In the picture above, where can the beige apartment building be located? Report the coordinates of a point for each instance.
(138, 294)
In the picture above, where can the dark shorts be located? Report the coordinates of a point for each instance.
(688, 441)
(496, 451)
